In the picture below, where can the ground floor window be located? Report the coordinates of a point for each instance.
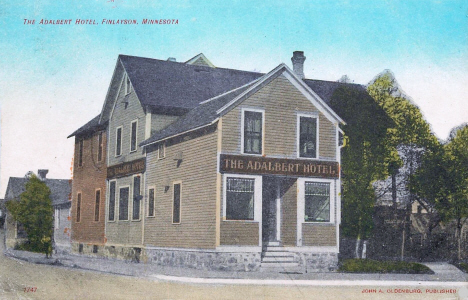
(78, 208)
(112, 201)
(151, 202)
(240, 198)
(317, 201)
(136, 197)
(176, 204)
(123, 203)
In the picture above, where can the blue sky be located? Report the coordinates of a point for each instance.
(54, 78)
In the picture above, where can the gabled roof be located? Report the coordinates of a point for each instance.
(209, 111)
(60, 189)
(167, 85)
(200, 60)
(91, 126)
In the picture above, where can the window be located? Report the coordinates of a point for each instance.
(128, 85)
(78, 208)
(176, 204)
(112, 201)
(252, 131)
(307, 137)
(317, 202)
(161, 150)
(96, 205)
(100, 147)
(80, 153)
(123, 203)
(240, 197)
(151, 202)
(136, 197)
(118, 142)
(133, 136)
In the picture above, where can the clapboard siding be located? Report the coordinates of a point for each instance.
(197, 174)
(159, 122)
(318, 235)
(127, 109)
(124, 232)
(239, 233)
(289, 212)
(281, 102)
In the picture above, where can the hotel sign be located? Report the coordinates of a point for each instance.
(127, 168)
(278, 166)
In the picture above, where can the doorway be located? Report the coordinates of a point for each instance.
(271, 216)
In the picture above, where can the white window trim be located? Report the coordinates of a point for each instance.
(164, 149)
(298, 135)
(180, 203)
(136, 136)
(128, 87)
(133, 187)
(257, 201)
(108, 201)
(301, 204)
(152, 187)
(128, 204)
(100, 204)
(244, 109)
(121, 140)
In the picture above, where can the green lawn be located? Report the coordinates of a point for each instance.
(375, 266)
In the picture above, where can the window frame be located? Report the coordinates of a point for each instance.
(116, 140)
(262, 145)
(133, 196)
(128, 84)
(109, 199)
(97, 205)
(79, 200)
(128, 202)
(180, 201)
(298, 134)
(154, 201)
(162, 146)
(100, 142)
(136, 135)
(257, 196)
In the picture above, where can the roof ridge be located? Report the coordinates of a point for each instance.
(227, 93)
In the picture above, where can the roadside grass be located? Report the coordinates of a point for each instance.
(462, 266)
(375, 266)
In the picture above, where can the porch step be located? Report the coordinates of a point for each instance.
(277, 259)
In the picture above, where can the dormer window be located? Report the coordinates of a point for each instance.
(128, 85)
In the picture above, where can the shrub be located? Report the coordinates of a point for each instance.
(374, 266)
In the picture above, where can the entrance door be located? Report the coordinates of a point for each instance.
(270, 205)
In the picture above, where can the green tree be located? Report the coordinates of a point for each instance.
(34, 211)
(364, 158)
(443, 180)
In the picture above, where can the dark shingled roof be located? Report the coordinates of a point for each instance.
(89, 127)
(60, 189)
(325, 89)
(168, 84)
(200, 116)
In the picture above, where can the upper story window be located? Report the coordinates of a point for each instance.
(100, 147)
(307, 136)
(118, 141)
(80, 153)
(252, 131)
(123, 203)
(162, 150)
(128, 85)
(133, 136)
(176, 203)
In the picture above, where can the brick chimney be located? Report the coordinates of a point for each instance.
(298, 63)
(42, 173)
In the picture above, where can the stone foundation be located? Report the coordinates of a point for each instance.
(319, 262)
(105, 251)
(204, 260)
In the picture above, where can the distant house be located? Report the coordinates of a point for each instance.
(60, 195)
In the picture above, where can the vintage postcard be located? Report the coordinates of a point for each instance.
(244, 150)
